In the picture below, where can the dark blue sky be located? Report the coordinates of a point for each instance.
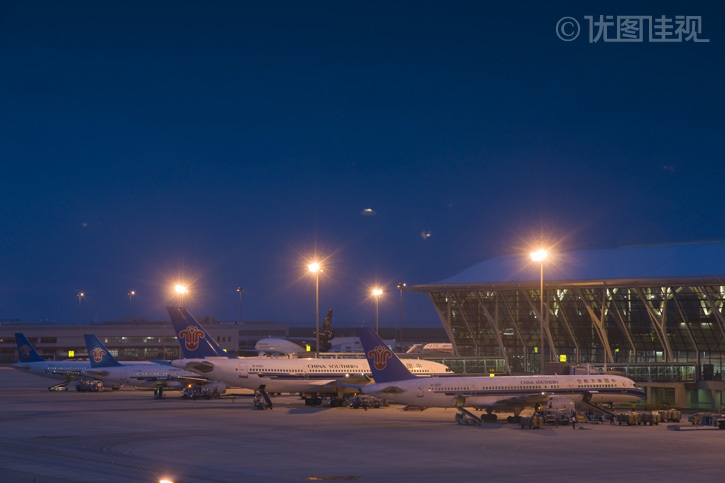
(224, 142)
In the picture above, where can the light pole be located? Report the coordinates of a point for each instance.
(80, 296)
(377, 292)
(130, 307)
(240, 290)
(315, 268)
(181, 290)
(401, 286)
(540, 256)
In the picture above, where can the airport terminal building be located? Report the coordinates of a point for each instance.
(131, 339)
(653, 312)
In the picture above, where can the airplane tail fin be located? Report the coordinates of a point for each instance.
(195, 342)
(326, 333)
(328, 320)
(98, 354)
(384, 364)
(26, 351)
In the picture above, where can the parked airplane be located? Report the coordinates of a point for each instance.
(30, 361)
(328, 342)
(506, 393)
(276, 345)
(432, 348)
(157, 375)
(312, 378)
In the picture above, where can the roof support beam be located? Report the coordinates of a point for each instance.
(462, 314)
(687, 325)
(598, 323)
(543, 322)
(714, 309)
(493, 321)
(658, 323)
(511, 317)
(445, 317)
(620, 318)
(565, 320)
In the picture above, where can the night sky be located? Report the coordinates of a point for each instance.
(225, 143)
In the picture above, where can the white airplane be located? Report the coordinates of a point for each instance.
(312, 378)
(276, 346)
(157, 375)
(432, 348)
(328, 343)
(506, 393)
(31, 362)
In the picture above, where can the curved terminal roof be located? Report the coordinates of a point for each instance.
(687, 260)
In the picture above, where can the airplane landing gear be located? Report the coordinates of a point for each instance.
(261, 399)
(466, 417)
(338, 403)
(489, 417)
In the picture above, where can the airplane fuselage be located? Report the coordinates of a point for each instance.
(142, 374)
(295, 375)
(60, 370)
(490, 392)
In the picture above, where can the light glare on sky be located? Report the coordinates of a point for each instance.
(144, 143)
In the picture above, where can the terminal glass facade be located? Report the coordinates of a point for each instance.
(662, 321)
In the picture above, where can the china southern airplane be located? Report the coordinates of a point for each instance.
(107, 369)
(506, 393)
(30, 361)
(312, 378)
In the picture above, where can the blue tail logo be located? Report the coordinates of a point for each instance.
(195, 342)
(384, 364)
(26, 351)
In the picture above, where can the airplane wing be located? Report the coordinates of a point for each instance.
(199, 366)
(97, 373)
(192, 380)
(353, 381)
(64, 372)
(356, 379)
(183, 379)
(507, 402)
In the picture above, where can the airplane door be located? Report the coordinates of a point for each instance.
(124, 376)
(242, 370)
(421, 391)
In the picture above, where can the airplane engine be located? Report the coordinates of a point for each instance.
(325, 337)
(561, 402)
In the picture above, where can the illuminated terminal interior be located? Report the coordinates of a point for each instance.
(653, 312)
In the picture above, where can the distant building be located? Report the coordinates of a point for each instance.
(138, 339)
(132, 339)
